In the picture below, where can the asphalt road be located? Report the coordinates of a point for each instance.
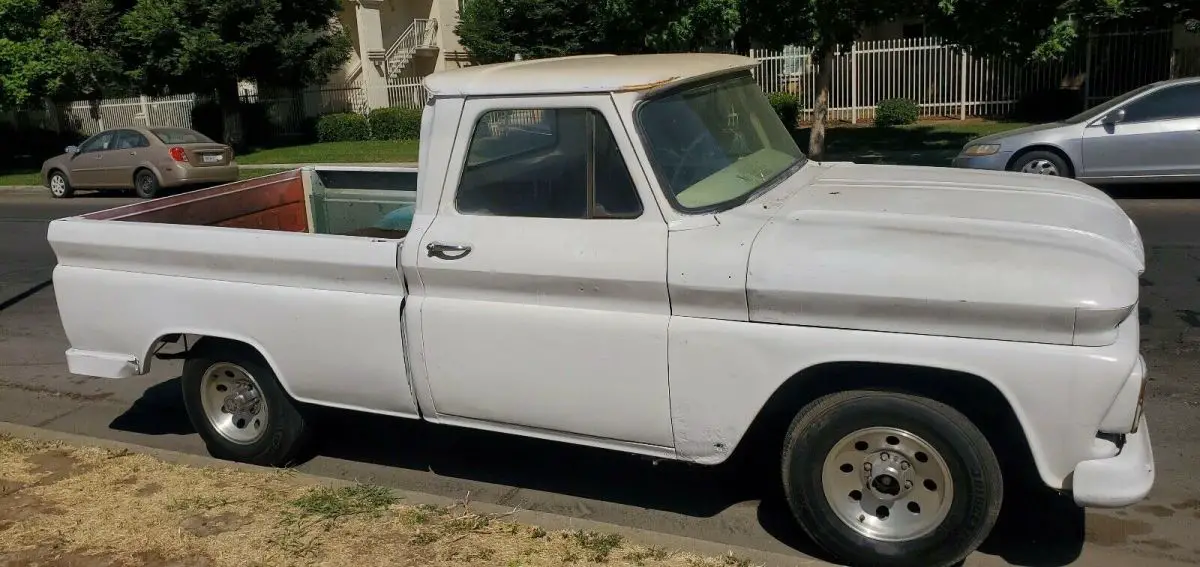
(720, 504)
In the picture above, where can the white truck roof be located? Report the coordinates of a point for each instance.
(582, 74)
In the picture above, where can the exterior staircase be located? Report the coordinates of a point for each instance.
(419, 39)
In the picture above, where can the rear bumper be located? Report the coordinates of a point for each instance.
(1120, 480)
(184, 174)
(101, 364)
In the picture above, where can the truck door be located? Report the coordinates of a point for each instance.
(543, 296)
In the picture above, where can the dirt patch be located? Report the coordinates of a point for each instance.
(1110, 531)
(205, 526)
(78, 504)
(53, 465)
(1193, 504)
(1160, 544)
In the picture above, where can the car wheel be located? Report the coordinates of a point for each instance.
(146, 184)
(238, 407)
(60, 187)
(878, 478)
(1042, 163)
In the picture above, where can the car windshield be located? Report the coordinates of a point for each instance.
(1103, 109)
(180, 136)
(716, 145)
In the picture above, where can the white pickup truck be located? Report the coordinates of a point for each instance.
(631, 252)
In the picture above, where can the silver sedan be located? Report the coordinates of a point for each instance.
(1148, 135)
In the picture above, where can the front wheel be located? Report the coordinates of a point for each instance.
(1042, 163)
(879, 478)
(238, 407)
(60, 187)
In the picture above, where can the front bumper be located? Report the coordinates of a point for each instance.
(1120, 480)
(997, 161)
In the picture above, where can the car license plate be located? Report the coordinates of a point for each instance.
(212, 159)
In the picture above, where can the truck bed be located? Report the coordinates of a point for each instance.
(270, 262)
(334, 200)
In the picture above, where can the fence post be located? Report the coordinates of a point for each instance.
(854, 83)
(962, 109)
(145, 109)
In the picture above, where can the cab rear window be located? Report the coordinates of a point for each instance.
(180, 136)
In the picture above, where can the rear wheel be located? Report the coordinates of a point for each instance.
(886, 479)
(146, 184)
(238, 407)
(60, 187)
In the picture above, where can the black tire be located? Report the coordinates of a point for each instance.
(287, 433)
(1060, 165)
(145, 184)
(973, 469)
(66, 192)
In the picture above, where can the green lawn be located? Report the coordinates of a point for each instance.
(373, 151)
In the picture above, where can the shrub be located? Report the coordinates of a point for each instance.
(343, 127)
(787, 106)
(896, 112)
(395, 123)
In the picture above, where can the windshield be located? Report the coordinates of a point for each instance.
(1107, 106)
(713, 146)
(180, 136)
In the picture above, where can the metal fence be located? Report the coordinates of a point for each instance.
(946, 82)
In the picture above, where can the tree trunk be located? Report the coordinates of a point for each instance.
(231, 116)
(822, 59)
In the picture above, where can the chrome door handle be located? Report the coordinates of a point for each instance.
(447, 251)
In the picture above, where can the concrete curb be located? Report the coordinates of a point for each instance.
(545, 520)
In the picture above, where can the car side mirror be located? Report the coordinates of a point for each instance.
(1115, 117)
(72, 150)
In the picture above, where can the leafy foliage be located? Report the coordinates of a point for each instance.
(343, 127)
(897, 112)
(36, 58)
(787, 106)
(395, 123)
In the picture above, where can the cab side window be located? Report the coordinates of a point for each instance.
(1182, 101)
(130, 140)
(549, 163)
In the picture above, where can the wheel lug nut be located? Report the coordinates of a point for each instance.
(867, 466)
(883, 456)
(907, 484)
(903, 465)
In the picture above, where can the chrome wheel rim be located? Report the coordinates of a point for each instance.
(887, 484)
(233, 403)
(1040, 167)
(58, 185)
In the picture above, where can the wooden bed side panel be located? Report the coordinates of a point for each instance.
(272, 202)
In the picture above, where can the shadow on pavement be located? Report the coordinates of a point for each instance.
(1036, 527)
(1152, 190)
(159, 411)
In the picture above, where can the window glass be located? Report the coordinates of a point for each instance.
(714, 145)
(181, 136)
(128, 140)
(1182, 101)
(98, 143)
(551, 163)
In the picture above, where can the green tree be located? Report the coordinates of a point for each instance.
(182, 46)
(36, 57)
(497, 30)
(826, 27)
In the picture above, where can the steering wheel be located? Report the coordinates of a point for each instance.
(683, 157)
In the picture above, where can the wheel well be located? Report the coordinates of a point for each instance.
(1056, 151)
(50, 173)
(974, 396)
(193, 344)
(141, 169)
